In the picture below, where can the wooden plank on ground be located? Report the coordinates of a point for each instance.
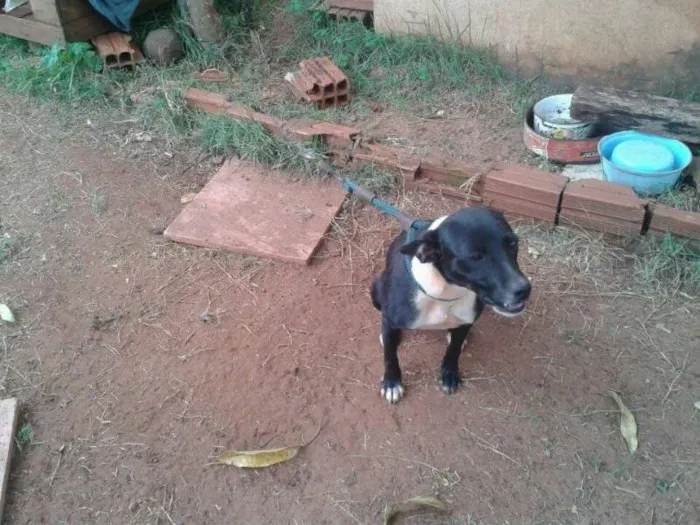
(254, 211)
(8, 422)
(621, 110)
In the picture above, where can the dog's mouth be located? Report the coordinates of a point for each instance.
(508, 309)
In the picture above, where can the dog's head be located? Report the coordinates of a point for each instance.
(476, 249)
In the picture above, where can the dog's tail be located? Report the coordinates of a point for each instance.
(375, 294)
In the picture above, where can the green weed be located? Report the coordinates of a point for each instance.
(375, 179)
(686, 199)
(64, 74)
(25, 437)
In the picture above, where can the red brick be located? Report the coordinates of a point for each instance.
(331, 134)
(603, 198)
(437, 168)
(602, 206)
(389, 158)
(206, 100)
(665, 219)
(448, 192)
(528, 184)
(522, 207)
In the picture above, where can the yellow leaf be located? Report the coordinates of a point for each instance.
(257, 458)
(262, 458)
(628, 425)
(412, 505)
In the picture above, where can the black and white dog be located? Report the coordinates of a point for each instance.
(440, 279)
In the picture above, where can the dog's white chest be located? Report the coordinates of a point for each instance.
(443, 315)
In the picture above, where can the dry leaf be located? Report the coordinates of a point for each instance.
(628, 425)
(6, 314)
(262, 458)
(257, 458)
(187, 198)
(412, 505)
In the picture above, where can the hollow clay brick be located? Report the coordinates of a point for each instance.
(117, 50)
(665, 219)
(320, 81)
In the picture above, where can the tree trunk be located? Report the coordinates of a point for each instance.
(205, 20)
(618, 110)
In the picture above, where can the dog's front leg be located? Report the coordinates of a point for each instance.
(392, 389)
(449, 372)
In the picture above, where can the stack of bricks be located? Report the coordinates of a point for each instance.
(320, 82)
(525, 192)
(602, 206)
(671, 220)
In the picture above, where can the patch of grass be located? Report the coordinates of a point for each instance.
(686, 199)
(375, 179)
(408, 67)
(669, 262)
(70, 74)
(8, 246)
(25, 437)
(250, 141)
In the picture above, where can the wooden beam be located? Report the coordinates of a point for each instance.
(28, 28)
(621, 110)
(8, 422)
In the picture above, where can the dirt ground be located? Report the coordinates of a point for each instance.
(130, 394)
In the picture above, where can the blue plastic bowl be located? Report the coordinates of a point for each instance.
(648, 163)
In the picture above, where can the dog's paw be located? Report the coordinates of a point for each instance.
(392, 391)
(449, 381)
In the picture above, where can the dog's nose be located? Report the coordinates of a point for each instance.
(522, 291)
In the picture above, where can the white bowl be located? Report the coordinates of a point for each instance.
(553, 119)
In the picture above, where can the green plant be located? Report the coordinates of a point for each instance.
(67, 74)
(25, 437)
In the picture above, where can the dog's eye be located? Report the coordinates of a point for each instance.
(513, 244)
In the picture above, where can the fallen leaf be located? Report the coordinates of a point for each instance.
(628, 425)
(6, 314)
(257, 458)
(412, 505)
(261, 458)
(187, 198)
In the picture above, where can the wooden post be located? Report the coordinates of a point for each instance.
(620, 110)
(205, 20)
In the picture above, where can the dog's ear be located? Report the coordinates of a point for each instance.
(426, 248)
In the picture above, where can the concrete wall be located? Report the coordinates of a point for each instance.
(625, 42)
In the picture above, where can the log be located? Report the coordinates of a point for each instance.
(618, 110)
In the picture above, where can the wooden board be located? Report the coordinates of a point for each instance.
(250, 210)
(621, 110)
(8, 422)
(29, 28)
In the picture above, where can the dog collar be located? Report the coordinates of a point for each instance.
(415, 228)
